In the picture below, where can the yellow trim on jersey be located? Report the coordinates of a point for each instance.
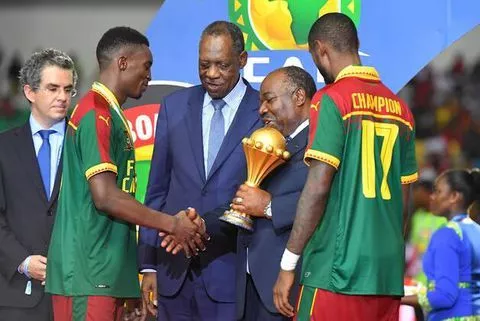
(74, 110)
(409, 178)
(300, 297)
(363, 72)
(103, 91)
(72, 125)
(313, 301)
(369, 113)
(323, 157)
(100, 168)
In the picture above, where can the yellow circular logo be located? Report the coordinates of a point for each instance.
(284, 24)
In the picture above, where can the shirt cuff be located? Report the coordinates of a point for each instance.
(23, 267)
(148, 271)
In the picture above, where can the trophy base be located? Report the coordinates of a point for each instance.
(238, 219)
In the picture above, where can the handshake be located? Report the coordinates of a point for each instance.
(188, 234)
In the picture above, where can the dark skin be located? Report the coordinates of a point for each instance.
(284, 107)
(314, 197)
(219, 71)
(127, 76)
(444, 202)
(219, 65)
(311, 207)
(219, 68)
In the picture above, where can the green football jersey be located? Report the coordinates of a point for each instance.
(92, 253)
(367, 134)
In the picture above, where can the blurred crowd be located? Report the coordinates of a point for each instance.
(446, 107)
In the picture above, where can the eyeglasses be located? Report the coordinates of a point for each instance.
(55, 91)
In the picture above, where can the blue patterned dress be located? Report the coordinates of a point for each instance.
(447, 265)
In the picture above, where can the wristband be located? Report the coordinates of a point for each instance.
(289, 260)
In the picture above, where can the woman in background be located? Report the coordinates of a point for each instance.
(447, 261)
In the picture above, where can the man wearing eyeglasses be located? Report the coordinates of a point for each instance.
(30, 171)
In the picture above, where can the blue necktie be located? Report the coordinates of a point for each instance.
(44, 159)
(217, 132)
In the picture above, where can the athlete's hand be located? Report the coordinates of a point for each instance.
(189, 234)
(149, 294)
(132, 310)
(172, 246)
(281, 293)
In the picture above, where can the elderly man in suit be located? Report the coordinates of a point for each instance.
(285, 99)
(198, 161)
(30, 170)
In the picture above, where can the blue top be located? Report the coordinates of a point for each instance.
(471, 231)
(447, 265)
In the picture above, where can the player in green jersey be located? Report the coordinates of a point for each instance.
(92, 265)
(350, 211)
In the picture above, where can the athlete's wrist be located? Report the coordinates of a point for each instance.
(172, 223)
(289, 260)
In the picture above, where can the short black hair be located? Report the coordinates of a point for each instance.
(115, 39)
(299, 78)
(465, 182)
(220, 28)
(336, 29)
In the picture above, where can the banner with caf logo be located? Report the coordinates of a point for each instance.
(398, 37)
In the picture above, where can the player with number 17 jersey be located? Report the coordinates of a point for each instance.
(367, 133)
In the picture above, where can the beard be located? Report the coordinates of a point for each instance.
(326, 76)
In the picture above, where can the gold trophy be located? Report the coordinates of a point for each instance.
(264, 151)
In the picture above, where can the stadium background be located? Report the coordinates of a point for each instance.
(412, 44)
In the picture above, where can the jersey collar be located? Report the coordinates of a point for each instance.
(364, 72)
(103, 91)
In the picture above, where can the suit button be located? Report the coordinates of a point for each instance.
(50, 212)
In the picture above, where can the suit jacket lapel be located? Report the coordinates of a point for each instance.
(28, 159)
(194, 124)
(298, 143)
(56, 187)
(246, 117)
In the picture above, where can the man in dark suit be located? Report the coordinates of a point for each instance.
(198, 161)
(30, 173)
(285, 97)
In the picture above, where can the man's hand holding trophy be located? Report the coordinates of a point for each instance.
(264, 151)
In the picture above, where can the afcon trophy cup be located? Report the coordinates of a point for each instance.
(264, 151)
